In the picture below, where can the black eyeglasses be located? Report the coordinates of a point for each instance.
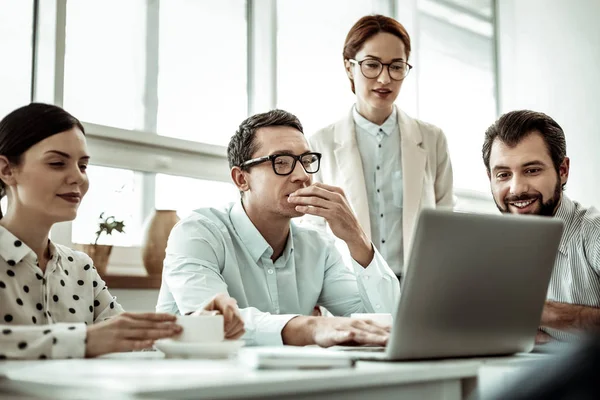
(284, 164)
(372, 68)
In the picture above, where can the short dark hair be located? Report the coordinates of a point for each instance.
(29, 125)
(242, 144)
(514, 126)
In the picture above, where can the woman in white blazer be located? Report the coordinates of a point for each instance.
(389, 165)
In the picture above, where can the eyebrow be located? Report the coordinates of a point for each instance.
(527, 164)
(530, 163)
(287, 152)
(379, 58)
(66, 155)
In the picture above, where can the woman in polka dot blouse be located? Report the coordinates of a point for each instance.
(53, 303)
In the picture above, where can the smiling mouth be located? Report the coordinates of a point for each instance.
(522, 203)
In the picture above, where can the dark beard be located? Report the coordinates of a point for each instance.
(547, 209)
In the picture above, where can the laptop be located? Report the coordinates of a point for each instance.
(475, 286)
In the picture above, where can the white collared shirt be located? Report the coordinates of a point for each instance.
(379, 148)
(221, 251)
(44, 314)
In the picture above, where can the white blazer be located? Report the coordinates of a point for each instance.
(426, 169)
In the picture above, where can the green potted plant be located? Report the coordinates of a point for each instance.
(99, 253)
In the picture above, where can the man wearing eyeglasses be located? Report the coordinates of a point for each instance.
(276, 270)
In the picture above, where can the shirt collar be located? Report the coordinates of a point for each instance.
(373, 129)
(255, 243)
(565, 212)
(12, 249)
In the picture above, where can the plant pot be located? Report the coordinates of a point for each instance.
(157, 228)
(99, 253)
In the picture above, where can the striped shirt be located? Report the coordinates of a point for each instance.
(576, 275)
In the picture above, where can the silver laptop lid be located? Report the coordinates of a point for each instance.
(475, 285)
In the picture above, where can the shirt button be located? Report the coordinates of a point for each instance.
(377, 190)
(378, 167)
(381, 215)
(378, 306)
(367, 277)
(379, 145)
(270, 271)
(382, 240)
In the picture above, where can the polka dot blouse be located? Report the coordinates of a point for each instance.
(44, 315)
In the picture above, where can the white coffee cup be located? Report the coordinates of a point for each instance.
(201, 328)
(380, 318)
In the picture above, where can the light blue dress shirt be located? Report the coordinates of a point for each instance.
(379, 148)
(221, 251)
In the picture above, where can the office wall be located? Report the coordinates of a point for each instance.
(549, 61)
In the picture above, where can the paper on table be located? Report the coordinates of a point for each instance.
(293, 358)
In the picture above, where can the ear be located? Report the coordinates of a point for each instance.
(563, 170)
(239, 178)
(6, 171)
(489, 174)
(348, 66)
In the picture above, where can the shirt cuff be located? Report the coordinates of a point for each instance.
(377, 267)
(378, 285)
(268, 330)
(68, 340)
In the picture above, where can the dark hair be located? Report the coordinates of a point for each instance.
(242, 144)
(28, 125)
(369, 26)
(514, 126)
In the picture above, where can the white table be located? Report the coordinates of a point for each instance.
(149, 375)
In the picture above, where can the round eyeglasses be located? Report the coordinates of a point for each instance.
(284, 164)
(372, 68)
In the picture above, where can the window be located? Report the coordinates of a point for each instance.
(175, 67)
(104, 62)
(456, 81)
(202, 69)
(16, 27)
(114, 192)
(188, 194)
(311, 82)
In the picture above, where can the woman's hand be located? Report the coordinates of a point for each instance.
(129, 332)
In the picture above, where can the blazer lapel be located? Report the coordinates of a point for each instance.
(413, 169)
(349, 162)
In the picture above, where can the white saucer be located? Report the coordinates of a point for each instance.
(176, 349)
